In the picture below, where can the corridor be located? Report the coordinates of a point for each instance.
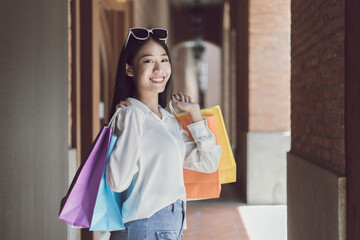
(214, 220)
(285, 74)
(231, 220)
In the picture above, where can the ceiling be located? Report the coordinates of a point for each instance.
(193, 2)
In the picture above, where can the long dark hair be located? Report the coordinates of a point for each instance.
(124, 85)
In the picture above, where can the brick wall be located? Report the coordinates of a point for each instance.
(269, 65)
(317, 81)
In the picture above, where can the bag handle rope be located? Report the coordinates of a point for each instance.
(171, 107)
(110, 124)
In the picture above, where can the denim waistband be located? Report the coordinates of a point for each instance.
(178, 205)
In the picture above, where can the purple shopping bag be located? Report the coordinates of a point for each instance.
(78, 205)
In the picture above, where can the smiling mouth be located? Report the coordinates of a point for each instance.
(158, 80)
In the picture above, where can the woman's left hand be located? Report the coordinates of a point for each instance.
(184, 104)
(123, 104)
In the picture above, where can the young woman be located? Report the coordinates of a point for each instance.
(152, 148)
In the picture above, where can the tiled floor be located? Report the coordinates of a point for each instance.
(224, 220)
(214, 221)
(228, 219)
(265, 222)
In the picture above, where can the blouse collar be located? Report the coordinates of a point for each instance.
(142, 106)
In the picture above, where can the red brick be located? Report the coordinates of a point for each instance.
(269, 69)
(213, 222)
(317, 81)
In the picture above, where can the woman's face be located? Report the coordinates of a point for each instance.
(151, 68)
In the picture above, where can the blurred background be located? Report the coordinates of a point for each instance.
(207, 42)
(296, 169)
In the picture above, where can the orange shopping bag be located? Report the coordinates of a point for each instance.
(227, 160)
(200, 185)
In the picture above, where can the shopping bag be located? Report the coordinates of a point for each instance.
(78, 205)
(200, 185)
(107, 212)
(227, 161)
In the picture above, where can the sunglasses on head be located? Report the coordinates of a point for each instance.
(144, 33)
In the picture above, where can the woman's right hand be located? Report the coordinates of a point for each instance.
(123, 104)
(184, 104)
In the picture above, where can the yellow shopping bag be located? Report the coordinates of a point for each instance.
(227, 161)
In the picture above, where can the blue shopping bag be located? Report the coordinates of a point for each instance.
(107, 212)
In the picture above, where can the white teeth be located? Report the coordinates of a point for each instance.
(157, 79)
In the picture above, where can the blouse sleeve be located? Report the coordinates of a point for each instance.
(123, 161)
(202, 154)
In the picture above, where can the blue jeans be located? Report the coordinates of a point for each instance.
(165, 224)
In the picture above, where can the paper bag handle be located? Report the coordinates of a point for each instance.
(172, 110)
(113, 117)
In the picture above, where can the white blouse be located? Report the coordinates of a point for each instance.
(149, 157)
